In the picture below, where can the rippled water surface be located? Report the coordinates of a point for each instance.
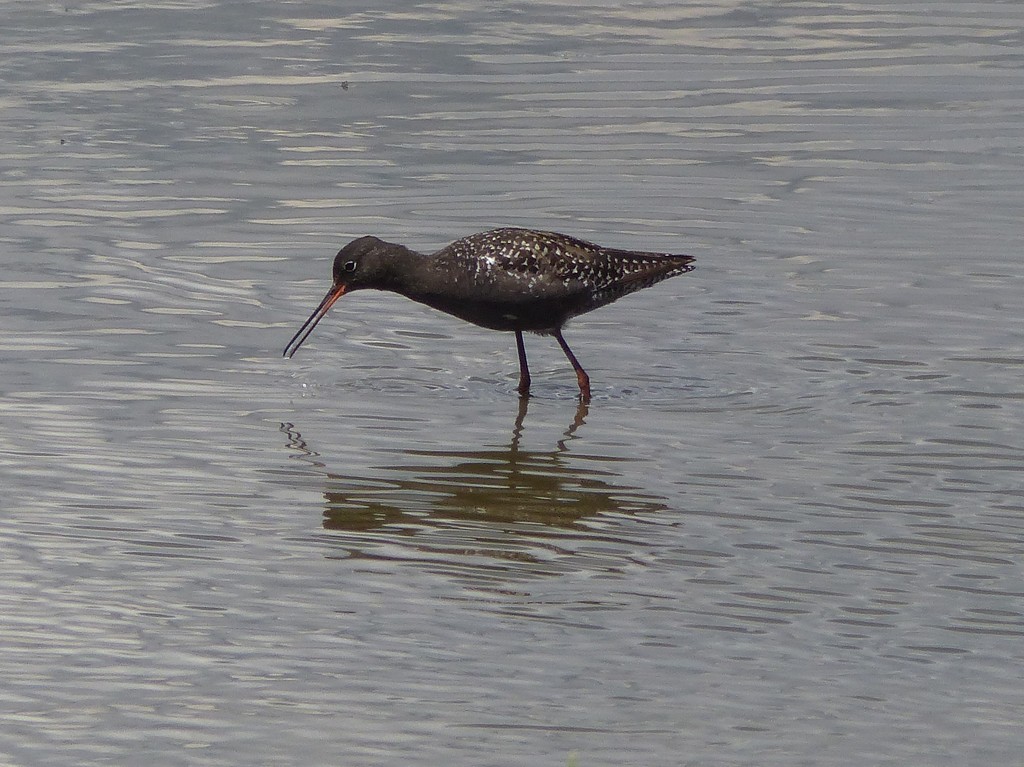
(789, 528)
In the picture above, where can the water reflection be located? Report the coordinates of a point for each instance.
(504, 502)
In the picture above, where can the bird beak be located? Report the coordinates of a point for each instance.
(336, 292)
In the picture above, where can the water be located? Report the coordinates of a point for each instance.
(786, 531)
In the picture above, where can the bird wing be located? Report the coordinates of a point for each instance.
(544, 265)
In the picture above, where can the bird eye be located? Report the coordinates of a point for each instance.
(349, 266)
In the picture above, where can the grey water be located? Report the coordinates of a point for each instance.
(788, 529)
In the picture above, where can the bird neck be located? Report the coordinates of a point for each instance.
(410, 273)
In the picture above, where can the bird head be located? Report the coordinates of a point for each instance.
(363, 263)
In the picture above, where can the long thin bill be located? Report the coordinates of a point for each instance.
(299, 338)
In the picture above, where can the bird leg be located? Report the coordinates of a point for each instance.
(524, 370)
(581, 375)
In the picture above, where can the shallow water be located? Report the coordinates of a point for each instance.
(787, 530)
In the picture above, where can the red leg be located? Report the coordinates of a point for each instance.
(581, 375)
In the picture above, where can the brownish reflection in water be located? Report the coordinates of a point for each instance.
(507, 484)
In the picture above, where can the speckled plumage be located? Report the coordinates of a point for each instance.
(504, 279)
(521, 279)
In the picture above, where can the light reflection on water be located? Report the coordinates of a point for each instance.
(788, 528)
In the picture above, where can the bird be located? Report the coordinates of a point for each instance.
(509, 279)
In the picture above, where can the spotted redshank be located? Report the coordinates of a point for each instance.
(504, 279)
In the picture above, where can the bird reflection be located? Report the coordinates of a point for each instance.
(491, 485)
